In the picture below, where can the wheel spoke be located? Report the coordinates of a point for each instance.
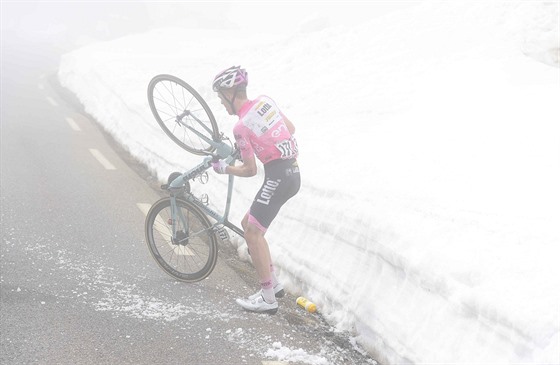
(195, 256)
(170, 97)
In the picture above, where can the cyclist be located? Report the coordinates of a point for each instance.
(265, 132)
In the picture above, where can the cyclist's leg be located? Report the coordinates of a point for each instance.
(277, 188)
(258, 245)
(275, 282)
(266, 205)
(260, 254)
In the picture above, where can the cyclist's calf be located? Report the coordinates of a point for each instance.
(244, 222)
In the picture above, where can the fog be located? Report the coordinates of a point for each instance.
(67, 25)
(36, 34)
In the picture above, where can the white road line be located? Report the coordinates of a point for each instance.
(72, 123)
(178, 250)
(102, 160)
(52, 101)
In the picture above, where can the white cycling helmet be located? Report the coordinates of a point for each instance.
(230, 78)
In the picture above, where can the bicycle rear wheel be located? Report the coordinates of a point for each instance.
(183, 114)
(192, 254)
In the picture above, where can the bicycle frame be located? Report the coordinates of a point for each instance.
(220, 220)
(177, 188)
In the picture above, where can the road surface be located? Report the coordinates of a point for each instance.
(78, 285)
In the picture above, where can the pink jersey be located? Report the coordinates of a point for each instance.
(261, 131)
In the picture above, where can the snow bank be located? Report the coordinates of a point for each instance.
(428, 217)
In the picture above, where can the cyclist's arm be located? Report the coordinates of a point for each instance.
(248, 168)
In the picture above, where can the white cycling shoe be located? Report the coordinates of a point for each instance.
(258, 305)
(278, 292)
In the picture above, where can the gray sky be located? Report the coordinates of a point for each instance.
(63, 22)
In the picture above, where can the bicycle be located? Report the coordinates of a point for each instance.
(179, 233)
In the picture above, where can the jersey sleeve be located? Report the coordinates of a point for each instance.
(243, 140)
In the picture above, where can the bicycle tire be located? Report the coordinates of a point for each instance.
(169, 97)
(188, 262)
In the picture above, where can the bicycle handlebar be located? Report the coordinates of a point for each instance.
(206, 163)
(232, 157)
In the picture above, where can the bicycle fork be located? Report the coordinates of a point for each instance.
(176, 237)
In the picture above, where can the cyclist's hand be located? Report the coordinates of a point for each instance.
(220, 166)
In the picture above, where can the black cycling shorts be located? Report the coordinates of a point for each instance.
(281, 182)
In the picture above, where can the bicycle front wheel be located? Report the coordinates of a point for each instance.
(183, 243)
(183, 114)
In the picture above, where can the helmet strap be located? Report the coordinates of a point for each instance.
(232, 100)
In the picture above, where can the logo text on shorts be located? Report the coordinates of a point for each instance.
(267, 191)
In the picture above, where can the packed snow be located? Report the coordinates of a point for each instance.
(428, 219)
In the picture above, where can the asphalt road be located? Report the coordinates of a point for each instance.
(78, 285)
